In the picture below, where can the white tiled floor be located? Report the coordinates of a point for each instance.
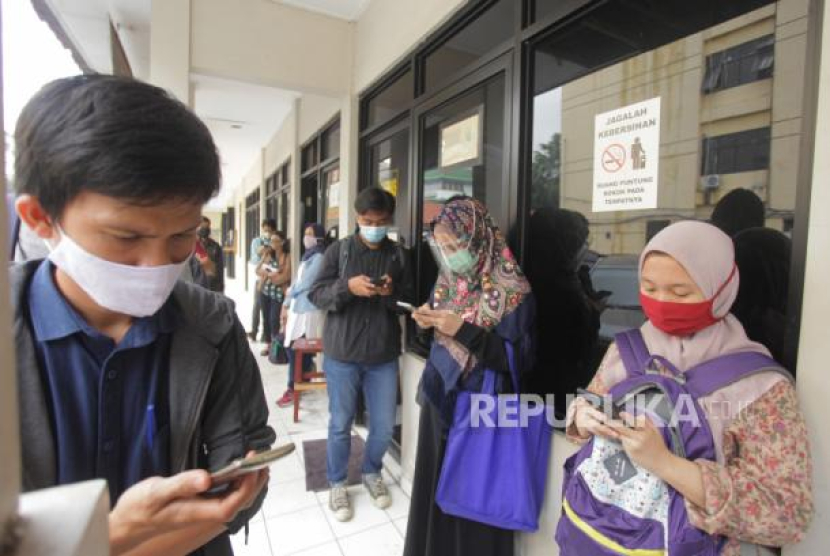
(294, 522)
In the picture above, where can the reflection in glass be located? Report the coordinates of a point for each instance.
(331, 180)
(465, 163)
(492, 28)
(390, 101)
(389, 166)
(723, 109)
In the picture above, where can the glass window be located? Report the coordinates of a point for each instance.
(745, 63)
(252, 221)
(331, 142)
(309, 194)
(463, 144)
(309, 156)
(732, 153)
(389, 167)
(331, 182)
(390, 101)
(229, 241)
(463, 153)
(490, 29)
(282, 220)
(592, 77)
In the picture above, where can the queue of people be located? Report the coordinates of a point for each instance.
(130, 374)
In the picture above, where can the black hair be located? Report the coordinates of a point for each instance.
(738, 210)
(116, 136)
(286, 246)
(270, 222)
(206, 219)
(375, 199)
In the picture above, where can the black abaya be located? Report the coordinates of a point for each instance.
(431, 532)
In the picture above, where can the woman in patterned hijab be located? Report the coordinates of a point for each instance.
(481, 302)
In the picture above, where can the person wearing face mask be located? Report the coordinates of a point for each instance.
(213, 261)
(361, 278)
(753, 489)
(482, 312)
(300, 318)
(274, 273)
(125, 372)
(258, 248)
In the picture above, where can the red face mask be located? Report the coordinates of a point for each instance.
(678, 319)
(682, 319)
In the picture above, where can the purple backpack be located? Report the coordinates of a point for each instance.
(610, 505)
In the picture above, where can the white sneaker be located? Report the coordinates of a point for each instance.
(339, 503)
(377, 490)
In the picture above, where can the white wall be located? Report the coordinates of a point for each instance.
(813, 379)
(170, 47)
(271, 44)
(282, 145)
(315, 111)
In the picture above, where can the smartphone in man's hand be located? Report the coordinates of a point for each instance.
(220, 479)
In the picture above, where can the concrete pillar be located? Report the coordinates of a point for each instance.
(349, 154)
(294, 196)
(813, 383)
(9, 427)
(170, 47)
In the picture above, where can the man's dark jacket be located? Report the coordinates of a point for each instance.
(218, 410)
(362, 330)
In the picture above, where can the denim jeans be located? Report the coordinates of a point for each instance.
(257, 310)
(380, 389)
(270, 316)
(308, 360)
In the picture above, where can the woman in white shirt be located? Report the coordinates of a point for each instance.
(300, 317)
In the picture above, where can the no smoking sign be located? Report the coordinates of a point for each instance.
(613, 158)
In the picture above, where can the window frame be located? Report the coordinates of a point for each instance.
(717, 63)
(318, 170)
(527, 33)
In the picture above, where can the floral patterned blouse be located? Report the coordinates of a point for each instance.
(762, 494)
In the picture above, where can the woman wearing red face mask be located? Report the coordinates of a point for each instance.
(757, 492)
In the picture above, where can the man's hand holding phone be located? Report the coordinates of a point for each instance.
(362, 286)
(160, 506)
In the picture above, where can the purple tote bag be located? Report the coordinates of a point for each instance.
(496, 475)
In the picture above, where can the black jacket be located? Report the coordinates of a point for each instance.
(361, 329)
(217, 404)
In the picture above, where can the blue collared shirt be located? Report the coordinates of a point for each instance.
(109, 402)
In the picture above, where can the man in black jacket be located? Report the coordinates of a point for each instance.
(361, 279)
(125, 373)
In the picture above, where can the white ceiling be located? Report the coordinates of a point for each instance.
(242, 118)
(86, 22)
(350, 10)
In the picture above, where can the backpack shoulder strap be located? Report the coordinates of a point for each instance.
(633, 351)
(720, 372)
(345, 247)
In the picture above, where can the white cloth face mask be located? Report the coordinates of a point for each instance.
(138, 291)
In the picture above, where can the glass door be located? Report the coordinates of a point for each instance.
(463, 150)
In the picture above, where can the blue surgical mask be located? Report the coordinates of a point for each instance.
(373, 234)
(461, 262)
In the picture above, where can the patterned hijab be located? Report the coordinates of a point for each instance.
(494, 288)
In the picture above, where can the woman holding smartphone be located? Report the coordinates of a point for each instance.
(757, 492)
(274, 272)
(481, 302)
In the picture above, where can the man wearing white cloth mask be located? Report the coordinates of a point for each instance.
(126, 373)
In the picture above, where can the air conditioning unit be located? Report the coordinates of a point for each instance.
(710, 182)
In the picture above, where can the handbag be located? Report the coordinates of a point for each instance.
(496, 475)
(277, 354)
